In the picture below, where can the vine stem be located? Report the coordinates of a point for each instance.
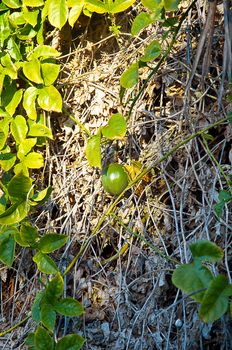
(15, 326)
(155, 69)
(82, 127)
(137, 235)
(133, 182)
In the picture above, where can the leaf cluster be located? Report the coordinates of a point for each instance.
(196, 279)
(44, 310)
(153, 11)
(114, 130)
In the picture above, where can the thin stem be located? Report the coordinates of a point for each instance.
(77, 122)
(211, 155)
(15, 326)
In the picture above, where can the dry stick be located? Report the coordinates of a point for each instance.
(154, 70)
(133, 182)
(227, 51)
(206, 30)
(207, 55)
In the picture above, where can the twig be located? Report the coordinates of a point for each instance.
(208, 28)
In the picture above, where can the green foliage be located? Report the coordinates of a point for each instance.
(93, 151)
(223, 198)
(43, 340)
(152, 51)
(154, 10)
(130, 77)
(45, 307)
(114, 130)
(212, 292)
(44, 263)
(28, 73)
(215, 301)
(68, 307)
(51, 242)
(70, 342)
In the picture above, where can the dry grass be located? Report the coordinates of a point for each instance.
(129, 299)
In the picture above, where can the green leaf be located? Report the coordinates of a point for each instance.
(51, 242)
(93, 151)
(7, 231)
(16, 213)
(153, 5)
(14, 4)
(229, 117)
(35, 310)
(57, 13)
(130, 77)
(26, 33)
(21, 168)
(218, 208)
(96, 6)
(68, 307)
(215, 302)
(190, 279)
(50, 72)
(206, 251)
(19, 187)
(55, 288)
(171, 5)
(19, 128)
(10, 68)
(45, 264)
(118, 5)
(7, 251)
(32, 71)
(29, 99)
(34, 160)
(152, 51)
(28, 234)
(116, 128)
(5, 30)
(13, 104)
(4, 129)
(224, 196)
(7, 160)
(75, 13)
(43, 341)
(16, 19)
(33, 3)
(70, 342)
(31, 16)
(44, 51)
(39, 130)
(48, 316)
(30, 341)
(42, 196)
(25, 147)
(50, 99)
(140, 22)
(3, 202)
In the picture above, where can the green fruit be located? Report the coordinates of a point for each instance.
(114, 178)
